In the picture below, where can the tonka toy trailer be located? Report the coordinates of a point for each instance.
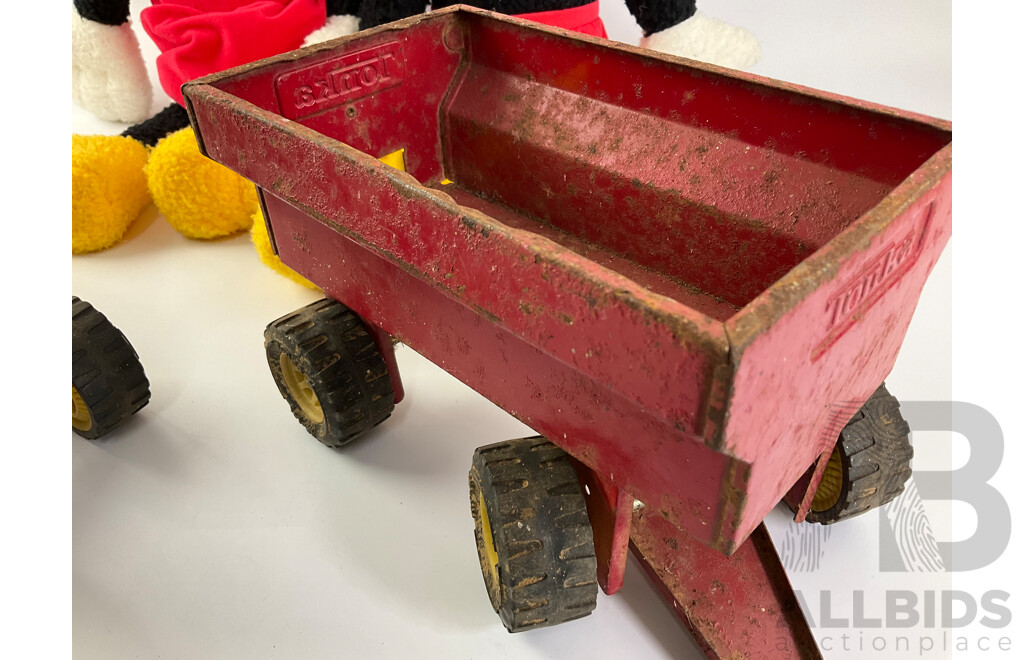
(691, 280)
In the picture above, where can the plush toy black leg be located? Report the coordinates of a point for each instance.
(170, 119)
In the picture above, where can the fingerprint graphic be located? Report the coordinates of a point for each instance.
(911, 546)
(913, 533)
(803, 546)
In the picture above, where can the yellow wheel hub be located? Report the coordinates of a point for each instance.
(300, 390)
(489, 558)
(81, 418)
(831, 486)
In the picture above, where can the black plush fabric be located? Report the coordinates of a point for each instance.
(170, 119)
(377, 12)
(516, 6)
(657, 15)
(343, 7)
(652, 15)
(107, 12)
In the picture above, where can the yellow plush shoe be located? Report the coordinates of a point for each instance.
(261, 239)
(108, 189)
(200, 198)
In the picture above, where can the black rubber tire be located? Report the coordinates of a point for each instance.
(336, 352)
(105, 372)
(546, 570)
(874, 451)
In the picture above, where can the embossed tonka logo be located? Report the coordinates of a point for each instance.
(880, 271)
(866, 286)
(334, 82)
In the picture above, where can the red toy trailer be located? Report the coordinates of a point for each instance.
(691, 280)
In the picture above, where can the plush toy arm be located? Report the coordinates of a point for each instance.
(707, 39)
(654, 17)
(677, 28)
(108, 76)
(334, 27)
(342, 20)
(349, 16)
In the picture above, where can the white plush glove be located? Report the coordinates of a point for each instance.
(707, 39)
(108, 76)
(334, 27)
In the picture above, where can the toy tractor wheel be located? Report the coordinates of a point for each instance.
(327, 366)
(108, 383)
(869, 465)
(533, 536)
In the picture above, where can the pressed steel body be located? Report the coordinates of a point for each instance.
(677, 273)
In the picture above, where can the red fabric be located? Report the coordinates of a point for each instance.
(199, 37)
(585, 19)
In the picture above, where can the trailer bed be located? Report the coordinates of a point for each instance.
(648, 278)
(682, 275)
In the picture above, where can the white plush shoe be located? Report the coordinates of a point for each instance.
(707, 39)
(334, 27)
(108, 76)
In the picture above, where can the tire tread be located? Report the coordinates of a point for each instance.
(332, 346)
(547, 565)
(105, 370)
(876, 452)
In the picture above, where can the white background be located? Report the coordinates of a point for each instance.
(213, 526)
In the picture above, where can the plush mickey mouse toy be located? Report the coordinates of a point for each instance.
(157, 159)
(115, 177)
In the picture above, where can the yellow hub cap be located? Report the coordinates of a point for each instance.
(298, 386)
(489, 560)
(831, 486)
(81, 418)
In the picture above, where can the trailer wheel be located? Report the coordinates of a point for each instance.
(328, 368)
(869, 465)
(108, 383)
(533, 536)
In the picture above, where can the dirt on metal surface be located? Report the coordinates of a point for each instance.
(737, 607)
(677, 305)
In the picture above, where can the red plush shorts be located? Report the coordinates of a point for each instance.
(200, 37)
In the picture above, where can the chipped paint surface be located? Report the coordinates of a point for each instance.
(737, 607)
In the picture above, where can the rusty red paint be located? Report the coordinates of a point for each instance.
(673, 271)
(737, 607)
(577, 412)
(611, 513)
(790, 386)
(386, 346)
